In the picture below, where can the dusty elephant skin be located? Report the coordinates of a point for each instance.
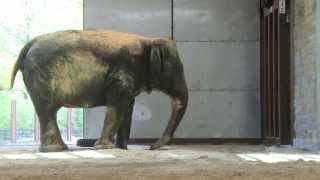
(100, 68)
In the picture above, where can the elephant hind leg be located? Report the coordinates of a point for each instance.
(50, 137)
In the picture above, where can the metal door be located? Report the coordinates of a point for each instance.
(275, 72)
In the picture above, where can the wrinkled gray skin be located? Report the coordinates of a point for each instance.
(100, 68)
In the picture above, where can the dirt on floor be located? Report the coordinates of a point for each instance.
(171, 162)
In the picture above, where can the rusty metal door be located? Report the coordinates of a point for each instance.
(275, 72)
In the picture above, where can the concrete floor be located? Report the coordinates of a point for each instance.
(171, 162)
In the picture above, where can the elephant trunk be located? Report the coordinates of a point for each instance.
(179, 96)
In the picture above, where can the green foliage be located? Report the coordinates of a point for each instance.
(21, 20)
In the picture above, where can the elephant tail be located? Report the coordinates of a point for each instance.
(19, 63)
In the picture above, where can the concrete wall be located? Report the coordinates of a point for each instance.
(306, 58)
(218, 43)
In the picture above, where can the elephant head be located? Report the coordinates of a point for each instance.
(166, 74)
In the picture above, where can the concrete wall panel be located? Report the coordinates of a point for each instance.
(145, 17)
(305, 52)
(93, 121)
(221, 114)
(216, 20)
(228, 66)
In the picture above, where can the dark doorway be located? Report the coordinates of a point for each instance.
(275, 72)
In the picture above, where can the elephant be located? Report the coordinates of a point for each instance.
(100, 67)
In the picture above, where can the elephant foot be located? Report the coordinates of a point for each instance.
(124, 147)
(121, 145)
(103, 145)
(53, 148)
(163, 141)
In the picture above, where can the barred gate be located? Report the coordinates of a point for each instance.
(275, 72)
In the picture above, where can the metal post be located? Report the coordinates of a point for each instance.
(69, 124)
(36, 129)
(172, 19)
(13, 129)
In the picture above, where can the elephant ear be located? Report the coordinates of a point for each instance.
(155, 65)
(155, 61)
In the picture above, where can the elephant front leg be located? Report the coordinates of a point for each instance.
(123, 133)
(109, 128)
(114, 117)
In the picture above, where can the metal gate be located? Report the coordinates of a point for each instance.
(275, 72)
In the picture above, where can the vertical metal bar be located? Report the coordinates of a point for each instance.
(270, 77)
(262, 71)
(83, 14)
(69, 124)
(274, 78)
(172, 19)
(266, 58)
(13, 130)
(36, 128)
(279, 76)
(276, 74)
(285, 78)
